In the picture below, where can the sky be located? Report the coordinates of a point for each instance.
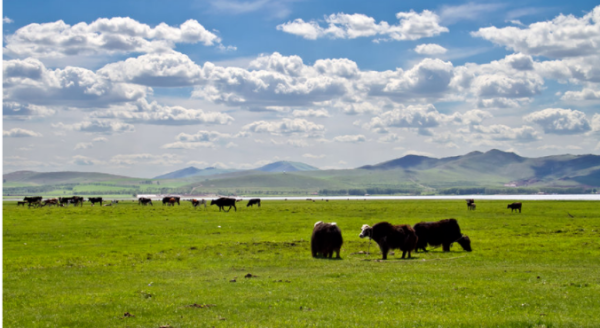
(142, 88)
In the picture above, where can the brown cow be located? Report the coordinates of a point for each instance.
(472, 207)
(514, 206)
(326, 239)
(389, 236)
(172, 201)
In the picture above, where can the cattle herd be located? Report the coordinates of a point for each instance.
(326, 237)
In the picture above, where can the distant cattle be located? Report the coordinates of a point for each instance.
(444, 232)
(21, 203)
(76, 200)
(222, 202)
(32, 199)
(389, 236)
(198, 202)
(471, 206)
(469, 203)
(171, 201)
(253, 201)
(168, 198)
(326, 239)
(144, 201)
(95, 200)
(50, 202)
(514, 206)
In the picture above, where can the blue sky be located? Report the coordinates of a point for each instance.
(147, 87)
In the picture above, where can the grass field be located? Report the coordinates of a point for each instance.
(87, 267)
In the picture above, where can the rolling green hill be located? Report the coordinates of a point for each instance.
(494, 171)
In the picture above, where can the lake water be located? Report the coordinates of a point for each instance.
(460, 197)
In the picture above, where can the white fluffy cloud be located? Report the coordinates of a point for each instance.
(20, 133)
(412, 26)
(97, 126)
(564, 36)
(430, 49)
(311, 113)
(201, 139)
(170, 69)
(505, 133)
(154, 113)
(350, 138)
(284, 127)
(85, 161)
(585, 94)
(560, 121)
(18, 111)
(28, 81)
(146, 159)
(419, 117)
(103, 36)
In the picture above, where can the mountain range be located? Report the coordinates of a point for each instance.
(491, 169)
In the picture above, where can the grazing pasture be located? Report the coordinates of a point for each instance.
(144, 266)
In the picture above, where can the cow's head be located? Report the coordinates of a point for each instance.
(366, 231)
(465, 243)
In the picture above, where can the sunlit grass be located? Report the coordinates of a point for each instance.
(87, 267)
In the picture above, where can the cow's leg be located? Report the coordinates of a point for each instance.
(337, 251)
(403, 254)
(446, 247)
(384, 251)
(235, 208)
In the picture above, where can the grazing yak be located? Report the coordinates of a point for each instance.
(95, 200)
(444, 232)
(167, 199)
(471, 204)
(253, 201)
(196, 202)
(326, 239)
(222, 202)
(514, 206)
(390, 236)
(145, 201)
(33, 199)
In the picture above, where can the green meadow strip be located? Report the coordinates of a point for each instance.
(153, 266)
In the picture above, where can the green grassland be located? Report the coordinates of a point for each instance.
(88, 266)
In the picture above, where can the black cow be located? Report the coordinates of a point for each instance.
(95, 200)
(145, 201)
(253, 201)
(326, 239)
(166, 200)
(444, 232)
(222, 202)
(514, 206)
(32, 199)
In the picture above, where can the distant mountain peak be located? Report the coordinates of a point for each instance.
(286, 166)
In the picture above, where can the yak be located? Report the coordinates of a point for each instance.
(95, 200)
(326, 239)
(222, 202)
(514, 206)
(253, 201)
(33, 199)
(145, 201)
(389, 236)
(196, 202)
(444, 232)
(166, 200)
